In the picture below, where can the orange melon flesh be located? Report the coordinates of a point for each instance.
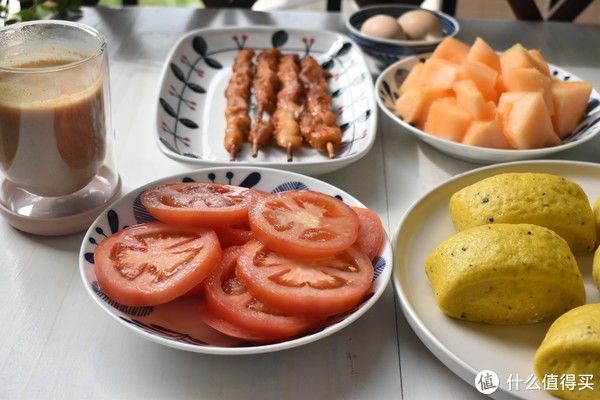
(570, 102)
(409, 105)
(483, 76)
(439, 73)
(486, 134)
(452, 50)
(507, 98)
(473, 95)
(506, 101)
(500, 88)
(482, 52)
(447, 121)
(529, 80)
(414, 79)
(448, 100)
(470, 99)
(505, 104)
(540, 63)
(491, 110)
(413, 105)
(526, 122)
(516, 57)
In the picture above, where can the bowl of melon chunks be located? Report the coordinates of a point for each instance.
(483, 106)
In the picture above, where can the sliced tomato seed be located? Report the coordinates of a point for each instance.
(317, 234)
(233, 286)
(322, 209)
(273, 219)
(135, 257)
(316, 277)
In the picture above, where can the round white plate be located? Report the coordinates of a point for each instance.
(387, 91)
(177, 324)
(190, 119)
(465, 347)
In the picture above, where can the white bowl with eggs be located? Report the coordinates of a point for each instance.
(391, 32)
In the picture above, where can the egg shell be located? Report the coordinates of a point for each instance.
(382, 26)
(420, 25)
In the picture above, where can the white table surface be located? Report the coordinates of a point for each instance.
(55, 343)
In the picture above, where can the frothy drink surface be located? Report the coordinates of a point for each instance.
(52, 126)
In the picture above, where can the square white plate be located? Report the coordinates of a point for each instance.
(190, 121)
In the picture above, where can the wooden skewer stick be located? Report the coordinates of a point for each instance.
(330, 150)
(232, 154)
(290, 155)
(254, 148)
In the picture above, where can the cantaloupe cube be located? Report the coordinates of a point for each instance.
(413, 105)
(505, 104)
(526, 122)
(516, 57)
(506, 100)
(486, 134)
(483, 76)
(570, 103)
(447, 121)
(439, 73)
(408, 105)
(500, 88)
(540, 63)
(448, 100)
(470, 99)
(414, 78)
(529, 80)
(492, 110)
(451, 49)
(482, 52)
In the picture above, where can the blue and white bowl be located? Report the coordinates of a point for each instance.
(388, 51)
(387, 91)
(177, 324)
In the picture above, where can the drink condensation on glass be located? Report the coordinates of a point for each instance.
(57, 166)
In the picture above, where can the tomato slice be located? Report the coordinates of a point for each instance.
(153, 263)
(227, 298)
(370, 232)
(234, 235)
(198, 204)
(304, 223)
(306, 287)
(214, 321)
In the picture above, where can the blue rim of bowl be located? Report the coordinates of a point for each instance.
(450, 27)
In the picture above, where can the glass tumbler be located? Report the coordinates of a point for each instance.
(57, 166)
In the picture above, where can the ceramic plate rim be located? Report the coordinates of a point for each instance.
(427, 337)
(385, 276)
(329, 164)
(522, 154)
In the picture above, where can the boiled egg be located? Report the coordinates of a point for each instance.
(382, 26)
(420, 25)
